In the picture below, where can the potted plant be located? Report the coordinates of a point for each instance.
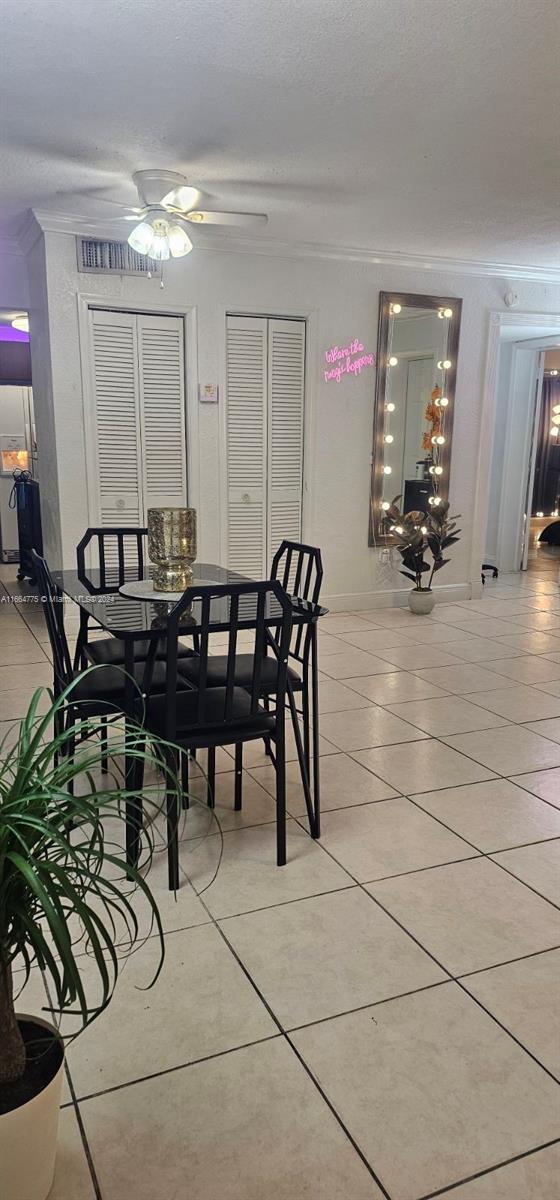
(421, 534)
(61, 881)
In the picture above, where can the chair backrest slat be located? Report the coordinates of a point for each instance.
(53, 609)
(232, 652)
(307, 580)
(120, 552)
(249, 605)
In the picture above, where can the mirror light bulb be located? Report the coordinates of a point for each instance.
(391, 408)
(555, 407)
(386, 470)
(396, 308)
(385, 506)
(554, 431)
(398, 529)
(438, 470)
(447, 312)
(444, 364)
(556, 418)
(540, 514)
(554, 372)
(424, 530)
(439, 440)
(389, 437)
(393, 361)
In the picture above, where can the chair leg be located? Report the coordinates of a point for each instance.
(185, 778)
(172, 813)
(211, 777)
(280, 748)
(238, 776)
(104, 747)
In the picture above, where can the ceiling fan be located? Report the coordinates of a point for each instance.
(167, 207)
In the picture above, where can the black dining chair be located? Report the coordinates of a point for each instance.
(298, 568)
(97, 693)
(119, 554)
(210, 716)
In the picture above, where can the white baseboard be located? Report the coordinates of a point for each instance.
(397, 598)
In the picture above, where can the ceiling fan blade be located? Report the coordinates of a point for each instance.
(203, 217)
(92, 199)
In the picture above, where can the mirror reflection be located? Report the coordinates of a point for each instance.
(416, 404)
(417, 351)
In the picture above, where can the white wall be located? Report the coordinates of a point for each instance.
(498, 447)
(14, 290)
(342, 300)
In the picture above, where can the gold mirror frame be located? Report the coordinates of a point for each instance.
(380, 492)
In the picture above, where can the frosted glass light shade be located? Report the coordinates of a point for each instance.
(179, 241)
(141, 238)
(159, 248)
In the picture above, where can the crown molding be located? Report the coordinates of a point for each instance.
(235, 243)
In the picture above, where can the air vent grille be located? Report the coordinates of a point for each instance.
(98, 255)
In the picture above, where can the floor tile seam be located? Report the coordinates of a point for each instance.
(514, 779)
(183, 1066)
(74, 1104)
(414, 799)
(507, 962)
(488, 854)
(489, 1170)
(295, 1051)
(452, 978)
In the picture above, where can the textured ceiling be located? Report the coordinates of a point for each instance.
(422, 126)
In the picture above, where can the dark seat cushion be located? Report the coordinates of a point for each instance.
(110, 650)
(217, 672)
(98, 691)
(239, 725)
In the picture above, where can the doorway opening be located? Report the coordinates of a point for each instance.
(18, 446)
(525, 462)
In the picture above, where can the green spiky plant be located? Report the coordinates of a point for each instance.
(420, 534)
(58, 863)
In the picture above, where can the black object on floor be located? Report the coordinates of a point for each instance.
(26, 501)
(551, 534)
(488, 567)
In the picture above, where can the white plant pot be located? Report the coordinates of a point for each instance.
(421, 601)
(28, 1137)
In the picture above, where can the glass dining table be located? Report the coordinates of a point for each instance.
(98, 596)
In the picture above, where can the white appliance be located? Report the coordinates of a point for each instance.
(17, 449)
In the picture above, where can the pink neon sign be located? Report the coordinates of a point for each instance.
(346, 360)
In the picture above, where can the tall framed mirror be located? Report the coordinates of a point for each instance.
(417, 346)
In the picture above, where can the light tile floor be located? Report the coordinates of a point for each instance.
(378, 1018)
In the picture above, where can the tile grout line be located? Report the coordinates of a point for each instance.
(452, 978)
(296, 1052)
(490, 1170)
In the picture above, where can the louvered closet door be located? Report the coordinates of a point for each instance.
(115, 455)
(162, 410)
(246, 433)
(286, 378)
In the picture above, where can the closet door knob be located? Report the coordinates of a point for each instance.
(246, 498)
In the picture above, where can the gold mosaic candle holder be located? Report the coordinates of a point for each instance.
(172, 547)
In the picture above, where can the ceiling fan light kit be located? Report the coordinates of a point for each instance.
(160, 233)
(159, 238)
